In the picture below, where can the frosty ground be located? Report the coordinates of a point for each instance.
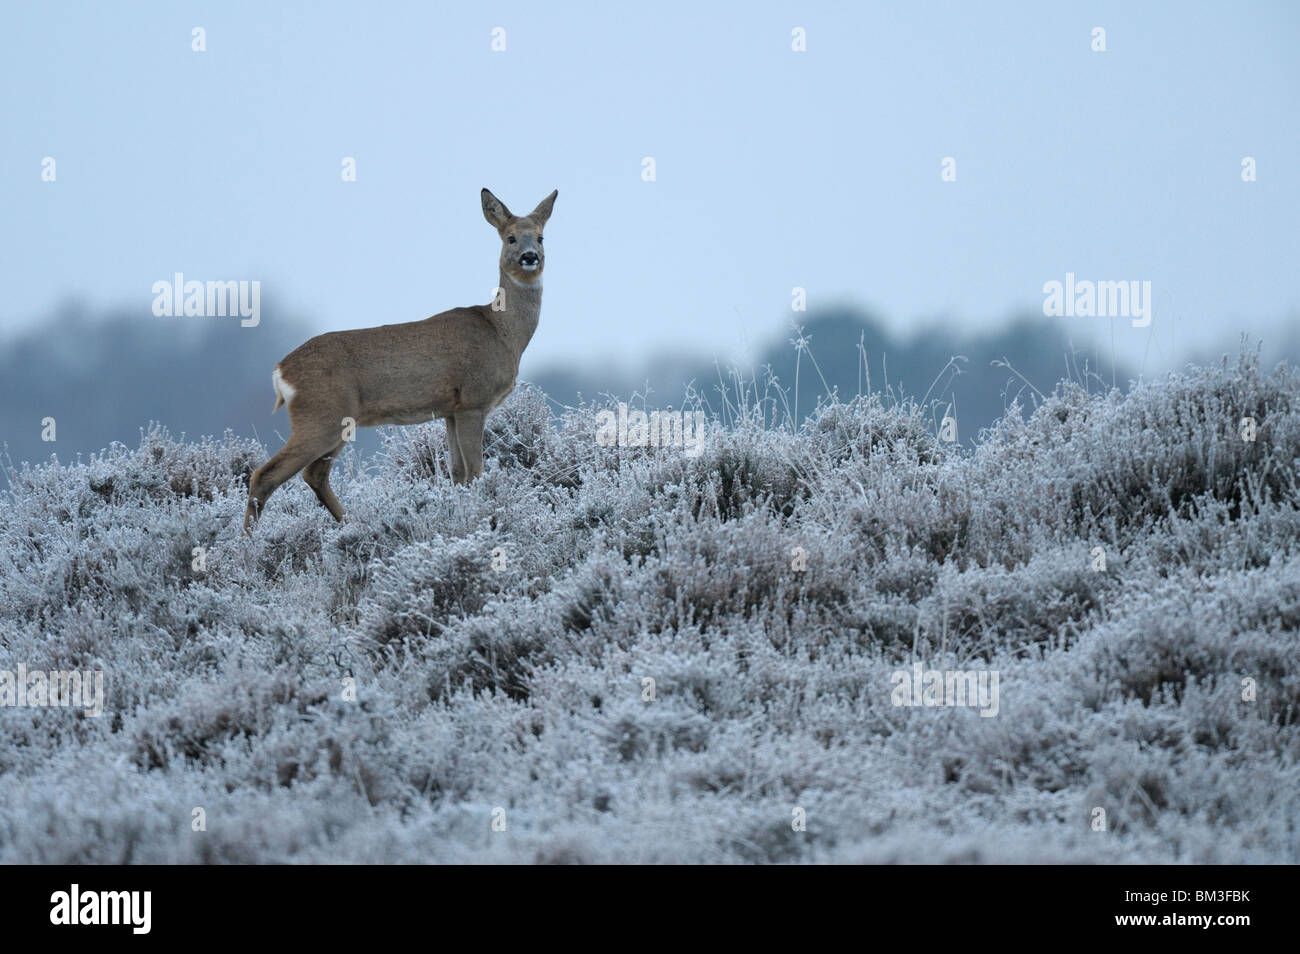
(500, 638)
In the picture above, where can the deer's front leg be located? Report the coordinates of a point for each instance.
(454, 458)
(467, 432)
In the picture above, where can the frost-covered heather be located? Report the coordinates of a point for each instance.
(520, 685)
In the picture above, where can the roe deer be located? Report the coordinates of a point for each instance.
(457, 365)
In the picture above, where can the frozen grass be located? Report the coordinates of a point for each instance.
(499, 637)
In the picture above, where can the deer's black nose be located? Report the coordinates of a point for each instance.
(528, 258)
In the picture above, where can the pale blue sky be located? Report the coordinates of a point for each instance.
(775, 168)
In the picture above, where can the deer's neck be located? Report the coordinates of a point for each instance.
(523, 307)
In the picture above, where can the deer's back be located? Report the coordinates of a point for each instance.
(415, 370)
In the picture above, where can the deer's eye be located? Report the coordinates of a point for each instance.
(511, 240)
(539, 240)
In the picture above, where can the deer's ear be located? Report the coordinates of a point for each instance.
(543, 210)
(495, 211)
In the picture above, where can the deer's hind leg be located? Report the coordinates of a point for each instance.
(292, 457)
(314, 435)
(317, 475)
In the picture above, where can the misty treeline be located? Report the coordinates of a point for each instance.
(104, 377)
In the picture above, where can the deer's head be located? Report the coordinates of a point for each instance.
(522, 254)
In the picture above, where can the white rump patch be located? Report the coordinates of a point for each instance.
(282, 387)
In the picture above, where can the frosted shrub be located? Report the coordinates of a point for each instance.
(416, 591)
(606, 640)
